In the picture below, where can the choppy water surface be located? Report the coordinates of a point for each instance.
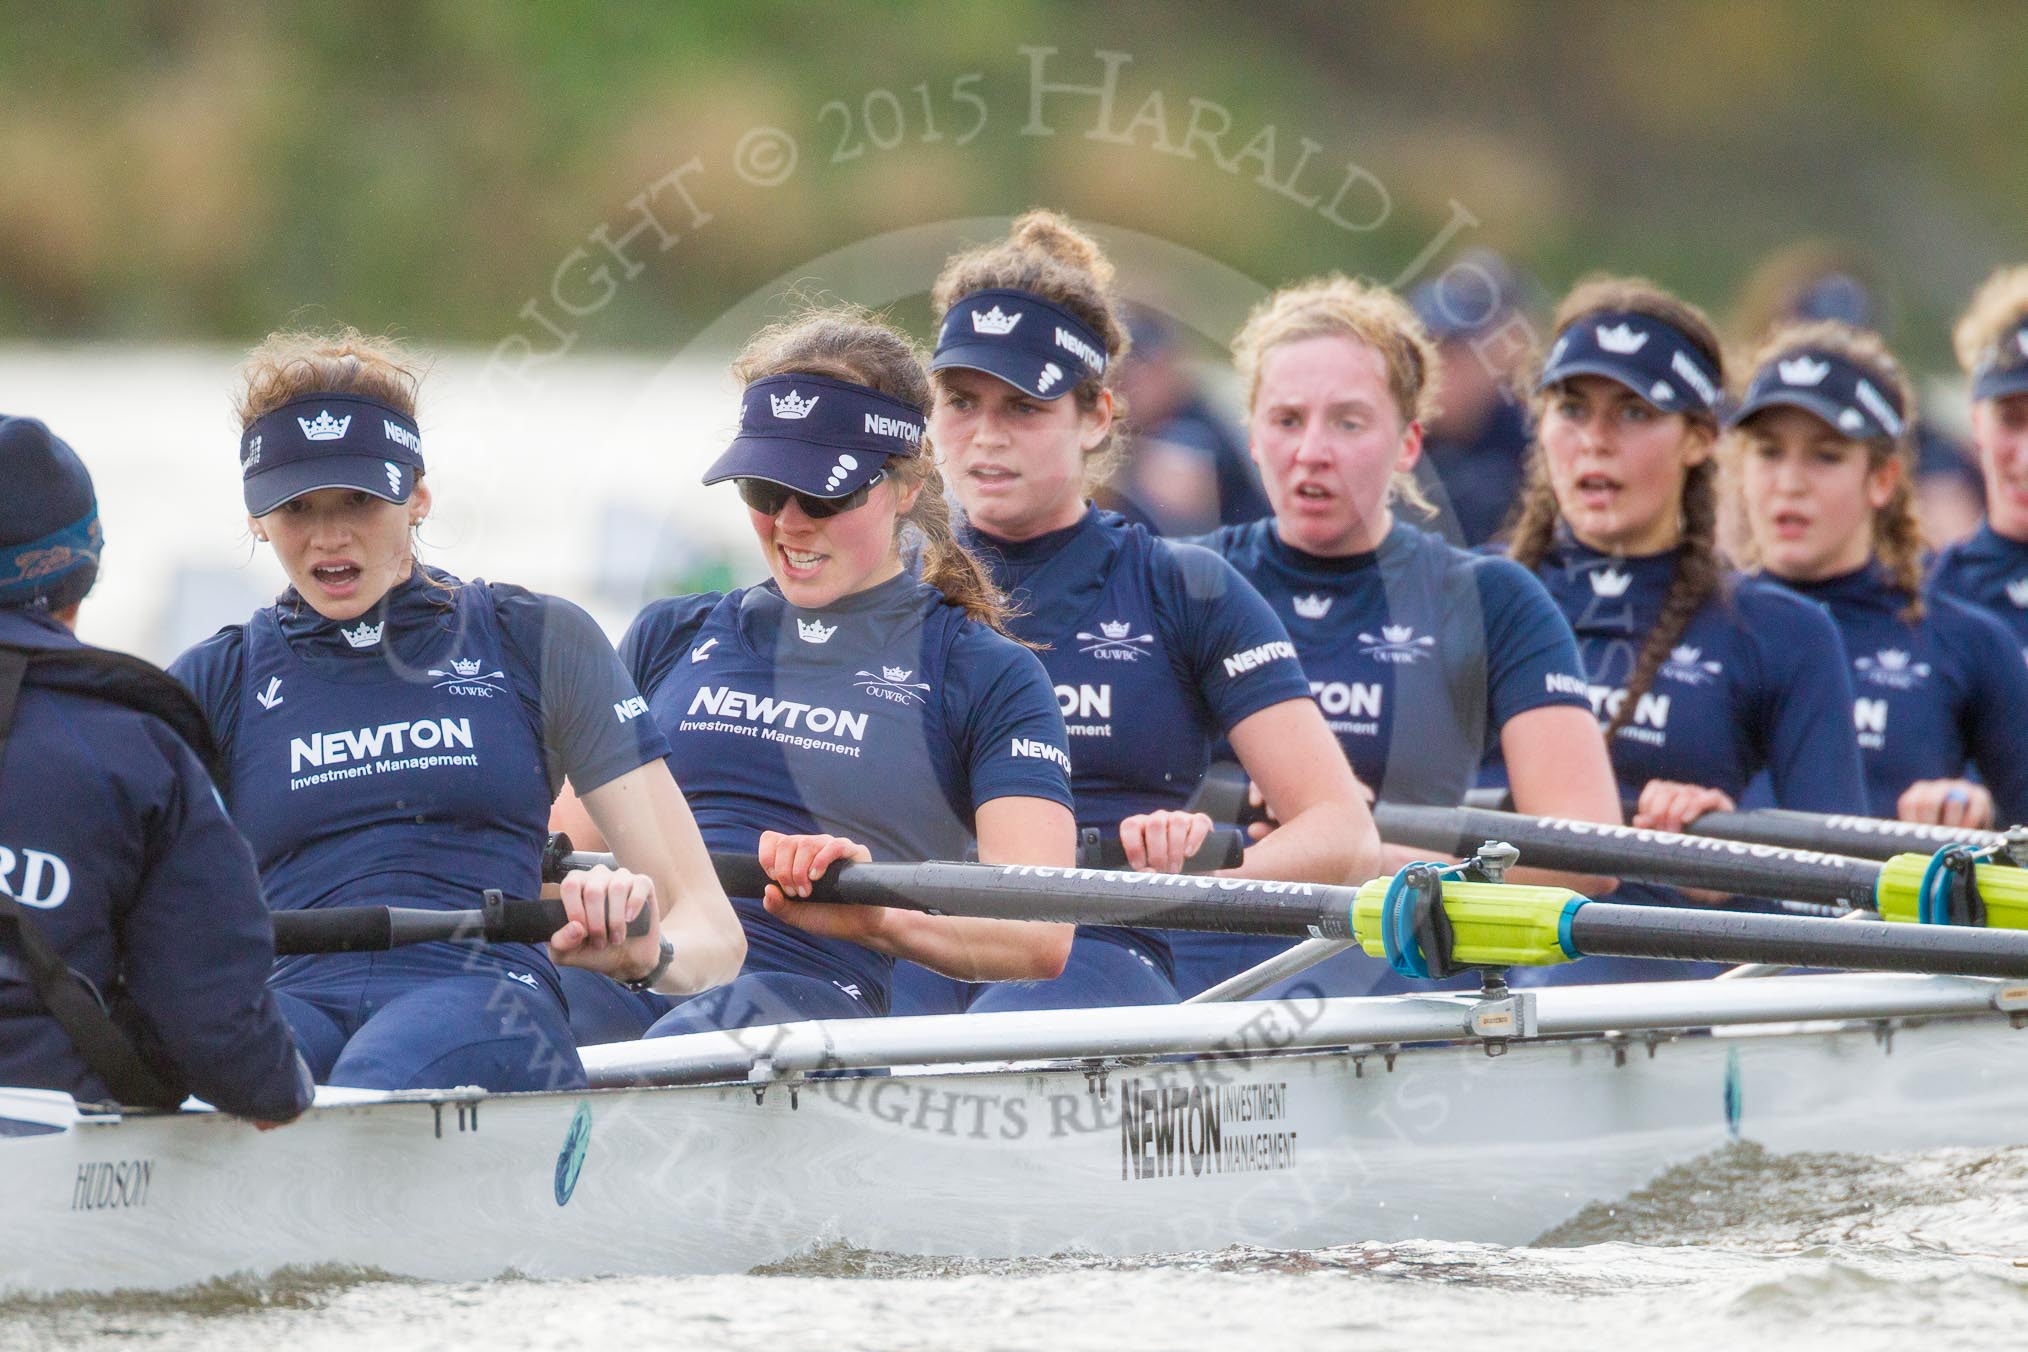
(1824, 1250)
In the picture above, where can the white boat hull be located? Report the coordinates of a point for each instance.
(1298, 1150)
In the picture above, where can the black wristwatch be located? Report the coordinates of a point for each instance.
(646, 983)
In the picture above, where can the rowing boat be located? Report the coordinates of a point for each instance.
(1296, 1124)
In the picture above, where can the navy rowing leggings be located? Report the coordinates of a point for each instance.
(427, 1018)
(602, 1010)
(1100, 973)
(756, 998)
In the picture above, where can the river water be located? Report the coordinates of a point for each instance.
(1739, 1248)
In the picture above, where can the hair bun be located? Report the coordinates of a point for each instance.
(1047, 232)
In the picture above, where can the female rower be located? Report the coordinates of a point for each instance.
(848, 709)
(1422, 656)
(1824, 457)
(1990, 570)
(1157, 649)
(1703, 678)
(396, 735)
(116, 862)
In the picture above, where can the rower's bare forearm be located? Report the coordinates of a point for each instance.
(972, 949)
(708, 954)
(1324, 843)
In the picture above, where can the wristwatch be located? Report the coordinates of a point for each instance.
(643, 984)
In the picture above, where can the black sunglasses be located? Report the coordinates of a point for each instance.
(768, 498)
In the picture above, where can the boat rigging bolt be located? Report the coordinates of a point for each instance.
(1492, 860)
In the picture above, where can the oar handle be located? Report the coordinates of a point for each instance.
(1225, 847)
(375, 929)
(1651, 856)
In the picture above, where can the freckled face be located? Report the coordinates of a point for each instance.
(1329, 437)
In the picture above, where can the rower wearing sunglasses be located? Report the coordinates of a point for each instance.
(1157, 650)
(849, 708)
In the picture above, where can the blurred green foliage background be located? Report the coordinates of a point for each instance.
(207, 170)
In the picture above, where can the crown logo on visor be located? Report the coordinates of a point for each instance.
(324, 427)
(815, 631)
(994, 323)
(466, 666)
(1621, 338)
(1314, 606)
(365, 636)
(793, 405)
(1803, 371)
(253, 455)
(1610, 582)
(1115, 628)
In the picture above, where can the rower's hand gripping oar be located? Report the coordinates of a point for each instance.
(1490, 924)
(373, 929)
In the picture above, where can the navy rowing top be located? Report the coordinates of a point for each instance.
(1934, 695)
(1157, 650)
(1418, 652)
(888, 717)
(1757, 681)
(411, 756)
(1988, 571)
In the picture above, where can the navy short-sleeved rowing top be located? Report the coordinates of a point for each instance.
(1156, 650)
(889, 717)
(1418, 652)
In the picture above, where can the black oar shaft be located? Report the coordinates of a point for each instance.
(1607, 930)
(1651, 856)
(1074, 896)
(1865, 837)
(1314, 910)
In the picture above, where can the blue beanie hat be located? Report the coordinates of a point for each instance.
(50, 536)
